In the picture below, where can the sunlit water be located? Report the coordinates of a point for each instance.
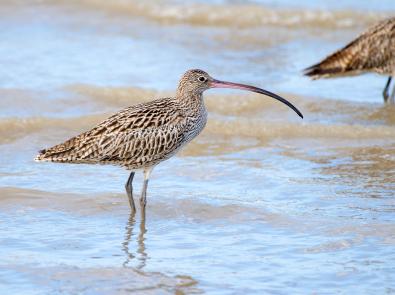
(261, 202)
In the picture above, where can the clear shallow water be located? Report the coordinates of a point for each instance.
(260, 202)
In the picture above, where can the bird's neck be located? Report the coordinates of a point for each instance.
(192, 103)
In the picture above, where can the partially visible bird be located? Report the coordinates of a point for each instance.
(141, 136)
(372, 51)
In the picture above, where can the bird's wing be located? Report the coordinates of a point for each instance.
(117, 135)
(371, 51)
(140, 147)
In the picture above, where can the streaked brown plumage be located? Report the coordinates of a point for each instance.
(372, 51)
(141, 136)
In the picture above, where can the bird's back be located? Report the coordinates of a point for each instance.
(136, 137)
(372, 51)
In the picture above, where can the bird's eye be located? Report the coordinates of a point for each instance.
(202, 79)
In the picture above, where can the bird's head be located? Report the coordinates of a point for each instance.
(195, 82)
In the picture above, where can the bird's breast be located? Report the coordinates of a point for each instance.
(195, 124)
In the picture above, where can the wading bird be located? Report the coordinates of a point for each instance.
(372, 51)
(141, 136)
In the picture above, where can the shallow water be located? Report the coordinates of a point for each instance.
(260, 202)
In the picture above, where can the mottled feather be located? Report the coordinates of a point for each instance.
(372, 51)
(136, 137)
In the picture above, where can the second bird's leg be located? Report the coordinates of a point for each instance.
(129, 191)
(392, 98)
(386, 88)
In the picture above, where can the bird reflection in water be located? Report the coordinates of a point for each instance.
(140, 255)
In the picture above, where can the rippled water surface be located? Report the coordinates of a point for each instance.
(261, 202)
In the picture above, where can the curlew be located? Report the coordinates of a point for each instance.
(372, 51)
(141, 136)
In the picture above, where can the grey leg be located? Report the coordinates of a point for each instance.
(385, 91)
(392, 98)
(143, 198)
(129, 191)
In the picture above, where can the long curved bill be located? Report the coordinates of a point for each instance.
(222, 84)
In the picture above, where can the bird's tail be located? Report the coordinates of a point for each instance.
(58, 153)
(342, 62)
(41, 155)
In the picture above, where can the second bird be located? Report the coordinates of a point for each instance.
(141, 136)
(372, 51)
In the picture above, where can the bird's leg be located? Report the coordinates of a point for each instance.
(385, 91)
(392, 98)
(143, 198)
(129, 191)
